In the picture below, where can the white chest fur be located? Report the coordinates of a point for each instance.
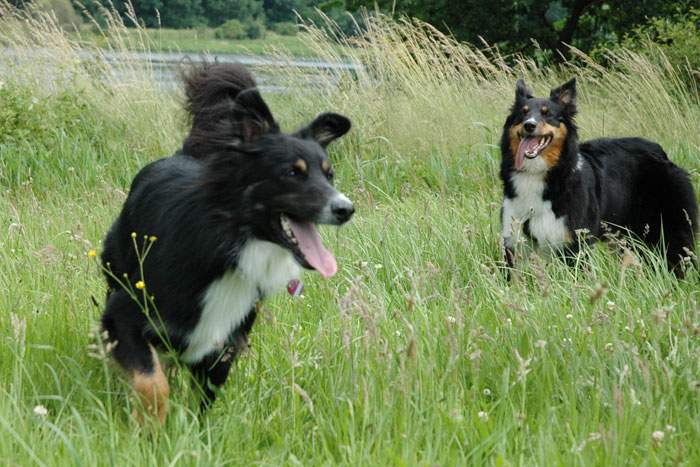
(263, 268)
(528, 205)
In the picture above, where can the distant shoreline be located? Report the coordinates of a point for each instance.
(203, 41)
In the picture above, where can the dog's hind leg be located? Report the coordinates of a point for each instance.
(680, 248)
(152, 388)
(680, 221)
(211, 373)
(124, 322)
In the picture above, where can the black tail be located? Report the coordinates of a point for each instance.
(209, 84)
(211, 90)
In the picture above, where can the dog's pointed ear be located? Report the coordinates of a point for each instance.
(522, 91)
(325, 128)
(251, 116)
(565, 95)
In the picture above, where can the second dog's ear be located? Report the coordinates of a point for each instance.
(522, 91)
(252, 116)
(565, 95)
(326, 128)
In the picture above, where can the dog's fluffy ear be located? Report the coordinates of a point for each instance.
(251, 116)
(565, 95)
(326, 128)
(522, 91)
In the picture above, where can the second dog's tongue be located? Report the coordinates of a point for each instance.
(526, 145)
(311, 246)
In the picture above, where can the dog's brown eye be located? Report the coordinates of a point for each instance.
(299, 168)
(295, 172)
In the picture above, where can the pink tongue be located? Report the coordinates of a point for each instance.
(310, 245)
(526, 145)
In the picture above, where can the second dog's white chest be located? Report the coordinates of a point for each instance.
(263, 268)
(529, 206)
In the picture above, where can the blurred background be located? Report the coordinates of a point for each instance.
(541, 29)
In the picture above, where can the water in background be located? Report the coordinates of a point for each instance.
(164, 66)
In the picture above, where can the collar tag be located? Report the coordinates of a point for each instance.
(295, 288)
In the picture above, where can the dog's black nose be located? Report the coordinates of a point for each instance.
(342, 209)
(529, 126)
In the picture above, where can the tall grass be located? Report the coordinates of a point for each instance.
(418, 352)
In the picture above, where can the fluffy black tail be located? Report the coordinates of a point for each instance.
(211, 90)
(210, 84)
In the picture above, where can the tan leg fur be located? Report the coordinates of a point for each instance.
(152, 390)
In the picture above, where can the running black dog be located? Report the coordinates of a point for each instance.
(230, 218)
(556, 188)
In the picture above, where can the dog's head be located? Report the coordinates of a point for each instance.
(274, 186)
(537, 130)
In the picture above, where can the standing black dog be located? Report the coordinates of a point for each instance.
(553, 186)
(235, 215)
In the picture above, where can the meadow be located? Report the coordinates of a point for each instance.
(418, 352)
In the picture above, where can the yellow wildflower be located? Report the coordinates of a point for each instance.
(133, 234)
(140, 285)
(152, 238)
(92, 253)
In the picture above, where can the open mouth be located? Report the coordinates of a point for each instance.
(531, 147)
(303, 239)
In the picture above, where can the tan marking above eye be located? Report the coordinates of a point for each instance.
(526, 109)
(301, 166)
(325, 166)
(544, 110)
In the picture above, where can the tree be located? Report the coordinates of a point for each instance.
(145, 11)
(218, 11)
(513, 24)
(278, 11)
(181, 13)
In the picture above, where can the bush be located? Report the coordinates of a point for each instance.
(234, 29)
(255, 30)
(285, 28)
(231, 29)
(677, 37)
(36, 120)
